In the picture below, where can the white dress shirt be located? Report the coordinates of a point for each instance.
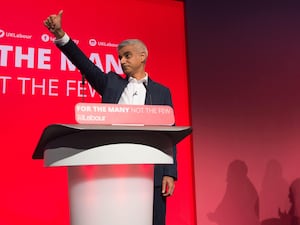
(135, 92)
(62, 41)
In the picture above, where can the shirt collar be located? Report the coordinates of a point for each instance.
(143, 80)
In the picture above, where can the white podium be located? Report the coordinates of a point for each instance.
(110, 168)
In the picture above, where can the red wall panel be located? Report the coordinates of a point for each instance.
(244, 72)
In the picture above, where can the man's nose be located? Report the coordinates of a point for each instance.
(122, 60)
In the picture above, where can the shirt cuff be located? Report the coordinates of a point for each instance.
(62, 41)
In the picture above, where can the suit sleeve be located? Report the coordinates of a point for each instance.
(94, 75)
(171, 170)
(162, 96)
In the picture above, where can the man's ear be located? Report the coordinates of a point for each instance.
(143, 57)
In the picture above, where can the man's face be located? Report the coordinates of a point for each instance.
(132, 60)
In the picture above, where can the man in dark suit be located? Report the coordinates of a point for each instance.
(135, 88)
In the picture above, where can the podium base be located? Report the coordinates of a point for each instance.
(111, 194)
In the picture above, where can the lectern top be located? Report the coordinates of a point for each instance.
(104, 134)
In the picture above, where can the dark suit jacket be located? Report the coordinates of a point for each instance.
(111, 85)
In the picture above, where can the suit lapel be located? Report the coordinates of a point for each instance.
(149, 95)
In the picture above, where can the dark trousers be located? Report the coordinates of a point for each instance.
(159, 207)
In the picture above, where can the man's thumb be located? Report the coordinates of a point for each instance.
(60, 13)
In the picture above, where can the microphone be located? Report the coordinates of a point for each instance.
(135, 93)
(147, 92)
(82, 83)
(82, 78)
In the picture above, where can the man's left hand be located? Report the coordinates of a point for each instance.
(168, 186)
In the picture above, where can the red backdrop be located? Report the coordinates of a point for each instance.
(37, 88)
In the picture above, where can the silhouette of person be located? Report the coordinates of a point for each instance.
(295, 201)
(274, 191)
(239, 205)
(292, 217)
